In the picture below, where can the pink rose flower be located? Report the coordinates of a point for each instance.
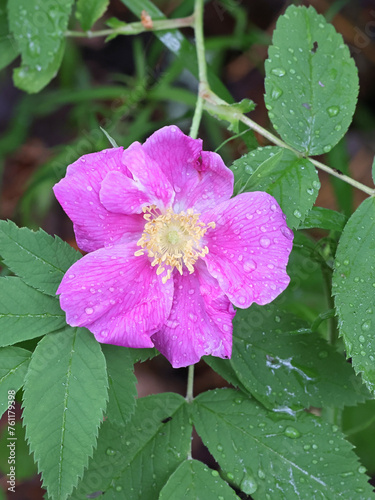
(169, 251)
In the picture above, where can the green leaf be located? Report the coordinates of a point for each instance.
(39, 30)
(122, 383)
(266, 455)
(286, 369)
(194, 480)
(8, 47)
(311, 82)
(89, 11)
(358, 423)
(293, 181)
(142, 354)
(138, 459)
(26, 313)
(354, 287)
(38, 258)
(65, 395)
(111, 139)
(224, 368)
(324, 218)
(13, 367)
(33, 80)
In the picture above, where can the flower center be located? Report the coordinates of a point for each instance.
(172, 240)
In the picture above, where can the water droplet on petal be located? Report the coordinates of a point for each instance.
(89, 310)
(193, 317)
(287, 233)
(249, 266)
(242, 300)
(265, 242)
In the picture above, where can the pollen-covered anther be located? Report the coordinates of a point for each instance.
(172, 240)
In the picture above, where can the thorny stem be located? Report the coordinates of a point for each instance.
(202, 66)
(135, 28)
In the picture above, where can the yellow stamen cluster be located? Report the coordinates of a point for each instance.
(172, 240)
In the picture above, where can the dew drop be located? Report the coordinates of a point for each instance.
(333, 111)
(287, 233)
(366, 325)
(316, 184)
(276, 93)
(249, 266)
(278, 71)
(361, 469)
(292, 432)
(322, 354)
(297, 214)
(110, 451)
(261, 474)
(277, 319)
(193, 317)
(248, 485)
(118, 488)
(214, 473)
(89, 310)
(361, 338)
(71, 276)
(89, 188)
(265, 242)
(191, 291)
(327, 148)
(242, 300)
(219, 447)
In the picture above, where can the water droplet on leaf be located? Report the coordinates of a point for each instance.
(278, 71)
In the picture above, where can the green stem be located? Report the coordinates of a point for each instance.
(136, 28)
(202, 67)
(212, 101)
(190, 384)
(189, 398)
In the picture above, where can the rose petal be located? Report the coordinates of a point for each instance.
(249, 248)
(78, 194)
(199, 178)
(148, 176)
(119, 194)
(200, 322)
(117, 296)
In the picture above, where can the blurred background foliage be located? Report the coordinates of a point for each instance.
(133, 85)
